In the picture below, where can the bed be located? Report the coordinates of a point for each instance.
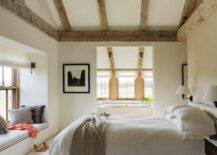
(130, 135)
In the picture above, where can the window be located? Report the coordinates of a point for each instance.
(126, 81)
(9, 89)
(126, 85)
(103, 84)
(149, 83)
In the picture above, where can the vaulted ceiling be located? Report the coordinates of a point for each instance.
(109, 20)
(121, 14)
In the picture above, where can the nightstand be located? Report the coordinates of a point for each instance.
(210, 146)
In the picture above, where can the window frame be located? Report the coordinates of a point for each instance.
(103, 98)
(15, 87)
(126, 85)
(130, 70)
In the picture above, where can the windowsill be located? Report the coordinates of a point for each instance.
(8, 88)
(119, 99)
(14, 137)
(124, 105)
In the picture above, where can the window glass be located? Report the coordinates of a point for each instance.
(3, 103)
(103, 84)
(8, 76)
(126, 84)
(1, 76)
(10, 99)
(6, 94)
(149, 84)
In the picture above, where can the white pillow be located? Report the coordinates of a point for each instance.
(194, 123)
(173, 107)
(202, 103)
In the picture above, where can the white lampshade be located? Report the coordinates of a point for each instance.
(211, 94)
(180, 90)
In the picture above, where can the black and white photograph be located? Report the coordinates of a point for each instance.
(76, 78)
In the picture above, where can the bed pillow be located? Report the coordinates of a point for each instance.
(17, 116)
(3, 126)
(173, 107)
(37, 113)
(194, 123)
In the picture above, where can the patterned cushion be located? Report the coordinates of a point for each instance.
(37, 113)
(20, 116)
(3, 126)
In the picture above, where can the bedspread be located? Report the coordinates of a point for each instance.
(134, 135)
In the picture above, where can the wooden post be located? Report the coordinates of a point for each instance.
(113, 82)
(139, 81)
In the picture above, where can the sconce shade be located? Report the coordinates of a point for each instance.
(211, 94)
(181, 90)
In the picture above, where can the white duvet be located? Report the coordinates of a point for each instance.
(136, 135)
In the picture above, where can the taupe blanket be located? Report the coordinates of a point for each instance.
(89, 136)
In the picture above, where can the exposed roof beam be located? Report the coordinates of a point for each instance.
(128, 36)
(19, 8)
(140, 59)
(201, 13)
(113, 82)
(111, 59)
(144, 14)
(102, 14)
(189, 7)
(139, 81)
(62, 13)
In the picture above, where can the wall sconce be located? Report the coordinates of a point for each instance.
(182, 91)
(32, 66)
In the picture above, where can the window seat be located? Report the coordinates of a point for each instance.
(15, 136)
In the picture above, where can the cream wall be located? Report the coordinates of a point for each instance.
(16, 29)
(33, 86)
(202, 56)
(74, 105)
(168, 58)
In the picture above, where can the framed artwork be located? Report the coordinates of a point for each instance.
(76, 78)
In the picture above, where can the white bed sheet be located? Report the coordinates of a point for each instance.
(135, 135)
(140, 135)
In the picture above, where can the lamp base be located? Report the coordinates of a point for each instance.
(215, 102)
(190, 98)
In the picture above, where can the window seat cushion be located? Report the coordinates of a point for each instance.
(16, 136)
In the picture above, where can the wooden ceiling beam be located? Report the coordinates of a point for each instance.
(62, 14)
(189, 7)
(144, 14)
(140, 60)
(18, 8)
(129, 36)
(201, 13)
(111, 58)
(102, 14)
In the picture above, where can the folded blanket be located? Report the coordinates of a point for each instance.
(32, 131)
(89, 136)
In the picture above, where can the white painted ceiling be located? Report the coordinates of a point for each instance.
(122, 14)
(125, 57)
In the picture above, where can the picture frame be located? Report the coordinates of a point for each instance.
(76, 78)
